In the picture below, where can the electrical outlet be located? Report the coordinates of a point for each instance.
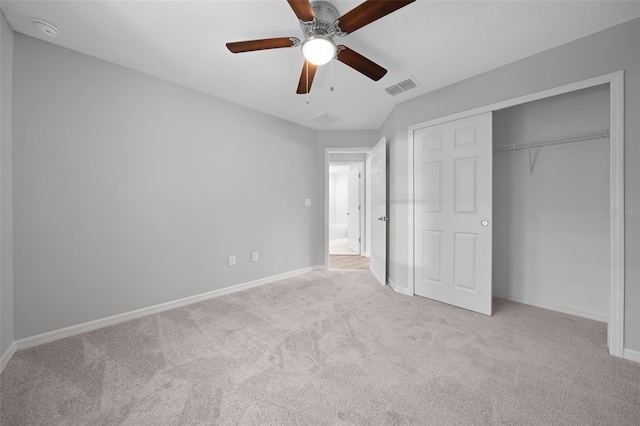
(307, 202)
(232, 261)
(254, 256)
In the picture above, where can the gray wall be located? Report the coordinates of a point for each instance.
(131, 191)
(614, 49)
(550, 229)
(6, 201)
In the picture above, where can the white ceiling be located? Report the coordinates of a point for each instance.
(437, 43)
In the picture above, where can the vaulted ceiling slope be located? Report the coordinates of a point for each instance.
(435, 43)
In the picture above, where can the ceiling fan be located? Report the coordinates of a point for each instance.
(320, 23)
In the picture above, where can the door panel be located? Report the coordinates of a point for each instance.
(431, 196)
(464, 259)
(379, 211)
(465, 179)
(452, 184)
(432, 256)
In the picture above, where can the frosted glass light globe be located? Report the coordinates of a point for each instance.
(318, 49)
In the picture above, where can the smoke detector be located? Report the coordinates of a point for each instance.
(45, 27)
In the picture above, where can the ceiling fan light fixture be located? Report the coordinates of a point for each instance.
(318, 49)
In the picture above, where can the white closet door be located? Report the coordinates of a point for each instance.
(453, 181)
(353, 221)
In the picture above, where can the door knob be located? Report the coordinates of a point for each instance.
(347, 213)
(484, 223)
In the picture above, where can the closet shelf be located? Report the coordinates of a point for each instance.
(602, 134)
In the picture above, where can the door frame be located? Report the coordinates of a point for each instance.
(615, 325)
(341, 150)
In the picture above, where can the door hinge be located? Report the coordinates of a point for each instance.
(359, 175)
(359, 207)
(359, 240)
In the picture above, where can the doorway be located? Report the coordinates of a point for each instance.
(346, 210)
(375, 207)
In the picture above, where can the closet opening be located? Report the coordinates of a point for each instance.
(509, 278)
(551, 203)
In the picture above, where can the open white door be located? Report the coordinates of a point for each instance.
(353, 209)
(453, 178)
(379, 211)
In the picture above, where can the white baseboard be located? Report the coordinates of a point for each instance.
(6, 357)
(397, 289)
(632, 355)
(115, 319)
(525, 300)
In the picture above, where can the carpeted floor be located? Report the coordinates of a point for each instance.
(329, 347)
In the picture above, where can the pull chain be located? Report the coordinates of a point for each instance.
(331, 88)
(306, 65)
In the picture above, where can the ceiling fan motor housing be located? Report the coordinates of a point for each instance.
(326, 15)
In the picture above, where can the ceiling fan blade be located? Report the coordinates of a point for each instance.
(306, 77)
(262, 44)
(368, 12)
(302, 9)
(360, 63)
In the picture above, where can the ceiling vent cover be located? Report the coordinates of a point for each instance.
(326, 118)
(394, 90)
(403, 86)
(407, 84)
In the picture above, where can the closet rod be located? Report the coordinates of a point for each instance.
(602, 134)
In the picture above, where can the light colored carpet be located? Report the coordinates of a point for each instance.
(329, 347)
